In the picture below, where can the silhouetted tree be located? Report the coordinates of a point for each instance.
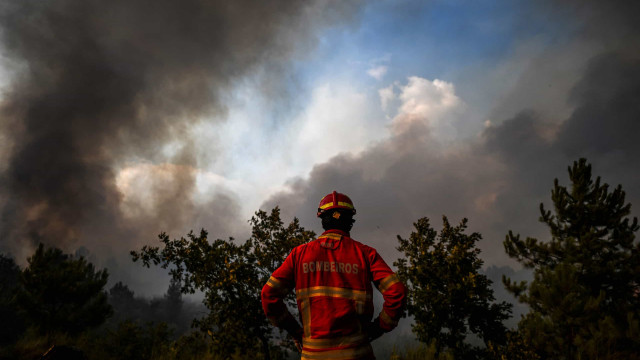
(171, 309)
(448, 297)
(584, 298)
(126, 306)
(231, 276)
(60, 293)
(120, 295)
(12, 323)
(173, 301)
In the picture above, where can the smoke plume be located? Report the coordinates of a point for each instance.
(98, 85)
(499, 178)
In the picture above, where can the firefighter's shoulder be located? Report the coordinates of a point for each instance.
(364, 247)
(299, 250)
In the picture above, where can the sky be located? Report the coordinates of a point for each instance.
(120, 120)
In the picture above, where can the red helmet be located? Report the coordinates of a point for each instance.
(335, 200)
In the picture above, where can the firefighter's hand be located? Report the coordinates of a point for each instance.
(374, 330)
(297, 339)
(298, 345)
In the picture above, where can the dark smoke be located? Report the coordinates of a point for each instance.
(99, 83)
(499, 179)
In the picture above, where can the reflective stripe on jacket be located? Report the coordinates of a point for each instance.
(333, 277)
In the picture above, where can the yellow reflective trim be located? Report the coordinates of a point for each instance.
(303, 296)
(387, 282)
(305, 309)
(331, 236)
(358, 295)
(340, 203)
(387, 319)
(342, 354)
(278, 285)
(318, 344)
(326, 205)
(274, 283)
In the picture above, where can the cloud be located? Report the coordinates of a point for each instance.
(432, 103)
(153, 193)
(497, 182)
(387, 95)
(334, 111)
(102, 84)
(499, 178)
(377, 72)
(101, 90)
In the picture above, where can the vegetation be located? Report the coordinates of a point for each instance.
(60, 293)
(583, 301)
(171, 309)
(13, 324)
(231, 276)
(422, 352)
(584, 296)
(447, 296)
(139, 328)
(515, 348)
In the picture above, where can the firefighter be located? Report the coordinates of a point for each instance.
(332, 277)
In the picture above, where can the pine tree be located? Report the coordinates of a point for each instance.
(12, 323)
(584, 298)
(60, 293)
(448, 297)
(173, 302)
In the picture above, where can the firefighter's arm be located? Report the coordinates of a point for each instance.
(277, 287)
(393, 291)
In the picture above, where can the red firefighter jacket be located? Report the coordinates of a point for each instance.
(332, 277)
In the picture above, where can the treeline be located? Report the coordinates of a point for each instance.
(60, 299)
(583, 301)
(171, 309)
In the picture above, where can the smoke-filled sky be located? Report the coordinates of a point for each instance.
(122, 119)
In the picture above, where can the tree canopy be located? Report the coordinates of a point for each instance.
(13, 324)
(448, 297)
(584, 298)
(61, 293)
(231, 276)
